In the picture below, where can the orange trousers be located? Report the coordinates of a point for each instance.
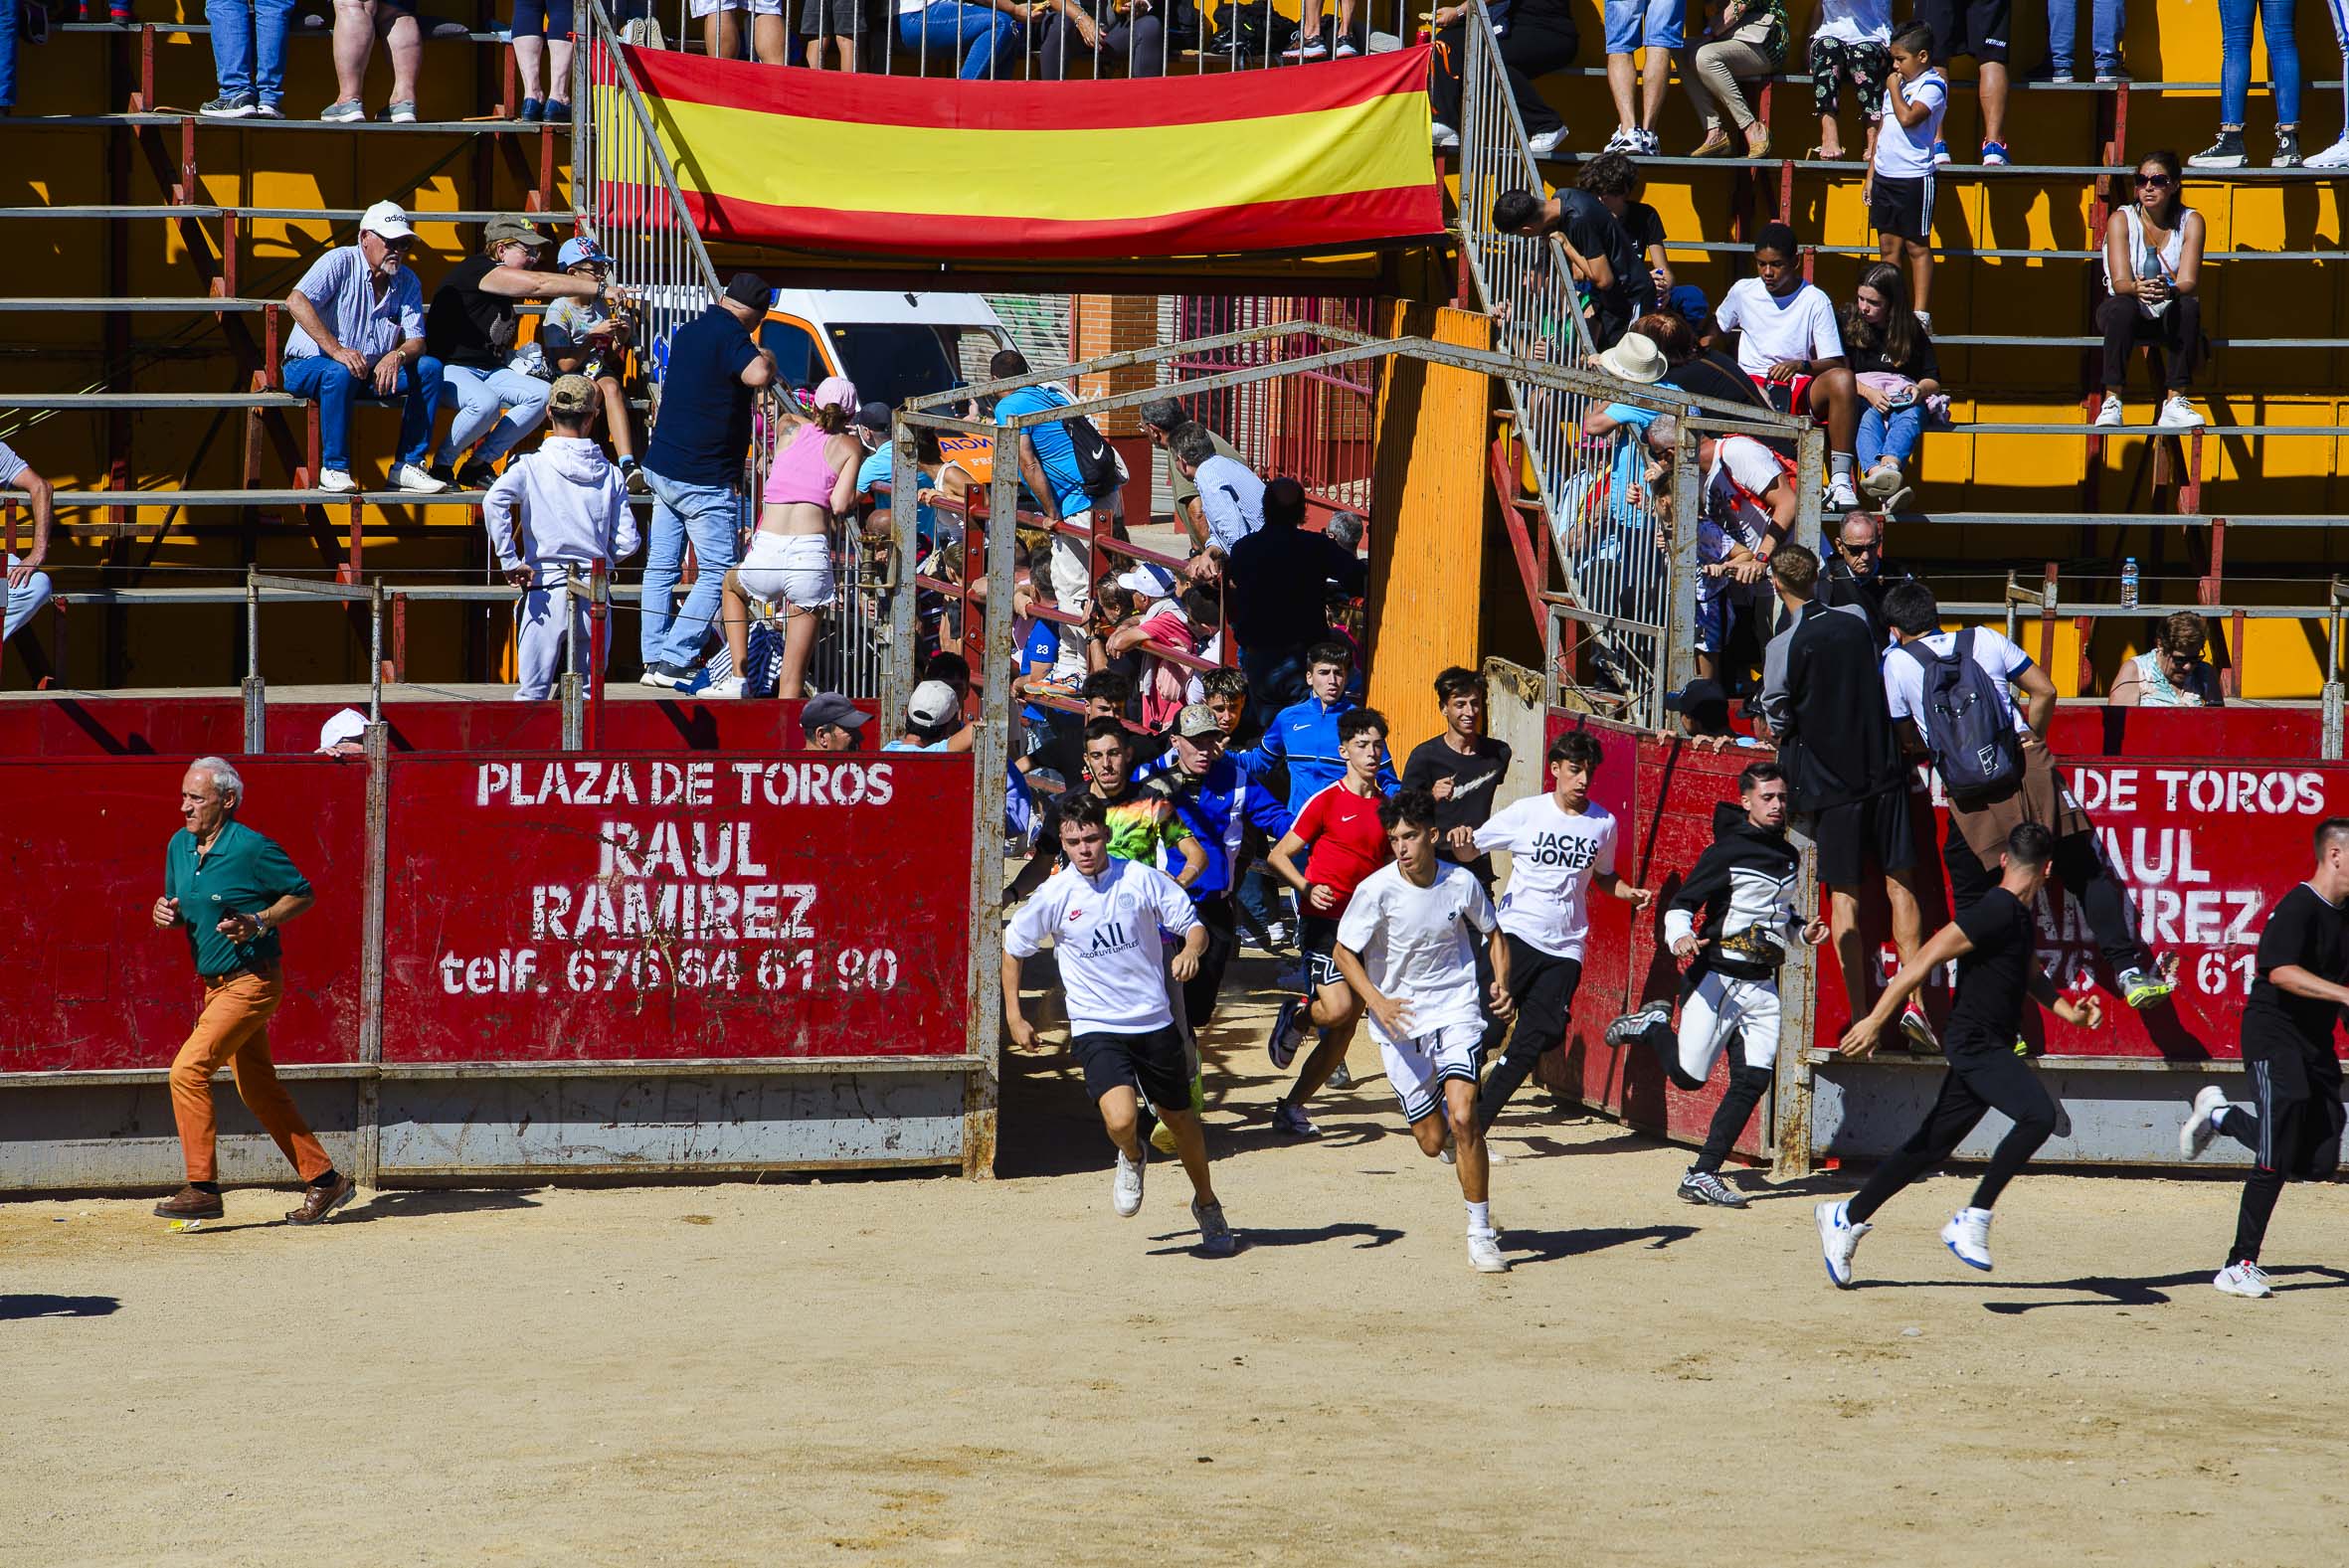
(233, 1030)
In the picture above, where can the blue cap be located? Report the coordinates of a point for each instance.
(1688, 302)
(575, 252)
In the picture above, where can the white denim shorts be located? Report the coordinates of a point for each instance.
(791, 569)
(755, 7)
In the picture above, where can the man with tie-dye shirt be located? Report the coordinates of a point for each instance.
(1142, 822)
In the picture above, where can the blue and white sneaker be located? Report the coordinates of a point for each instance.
(1968, 1235)
(1994, 155)
(1839, 1239)
(1282, 1046)
(1941, 153)
(1292, 1120)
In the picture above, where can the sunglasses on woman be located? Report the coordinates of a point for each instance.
(2155, 180)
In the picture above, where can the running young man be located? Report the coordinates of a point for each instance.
(1730, 922)
(1404, 948)
(1104, 916)
(1342, 824)
(2301, 985)
(1142, 822)
(1997, 975)
(1560, 845)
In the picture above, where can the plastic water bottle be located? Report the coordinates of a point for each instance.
(2128, 584)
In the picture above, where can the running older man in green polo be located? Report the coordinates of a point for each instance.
(231, 888)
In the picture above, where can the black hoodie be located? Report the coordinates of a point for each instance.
(1743, 887)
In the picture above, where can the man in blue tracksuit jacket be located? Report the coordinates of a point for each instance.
(1304, 735)
(1217, 800)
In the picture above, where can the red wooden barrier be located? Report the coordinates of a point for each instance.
(619, 907)
(95, 985)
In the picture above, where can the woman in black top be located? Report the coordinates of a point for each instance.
(1695, 369)
(1891, 358)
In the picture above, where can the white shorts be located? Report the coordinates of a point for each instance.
(1416, 1069)
(1720, 1007)
(790, 569)
(756, 7)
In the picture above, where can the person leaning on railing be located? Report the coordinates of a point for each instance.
(1535, 38)
(1599, 251)
(1160, 420)
(2172, 673)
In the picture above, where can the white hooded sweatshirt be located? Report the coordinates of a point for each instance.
(572, 505)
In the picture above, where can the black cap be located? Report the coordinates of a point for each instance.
(749, 289)
(875, 416)
(1705, 702)
(830, 708)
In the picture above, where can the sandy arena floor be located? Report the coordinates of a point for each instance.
(910, 1370)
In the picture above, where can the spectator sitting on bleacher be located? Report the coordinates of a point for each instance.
(2172, 673)
(247, 57)
(2152, 268)
(1692, 367)
(1615, 180)
(359, 332)
(542, 58)
(1535, 38)
(1898, 376)
(1599, 250)
(1748, 44)
(357, 24)
(1160, 420)
(1851, 41)
(721, 30)
(28, 585)
(990, 32)
(1134, 34)
(1230, 496)
(471, 331)
(1787, 341)
(587, 337)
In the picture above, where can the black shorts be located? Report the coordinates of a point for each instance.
(1542, 985)
(1317, 942)
(1858, 834)
(1154, 1061)
(2297, 1092)
(1901, 206)
(1967, 27)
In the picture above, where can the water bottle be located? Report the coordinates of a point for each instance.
(2128, 584)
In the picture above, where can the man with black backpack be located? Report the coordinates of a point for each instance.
(1072, 476)
(1953, 687)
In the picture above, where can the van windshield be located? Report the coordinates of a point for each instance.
(895, 360)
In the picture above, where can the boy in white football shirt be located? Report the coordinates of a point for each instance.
(1102, 915)
(1560, 844)
(1405, 947)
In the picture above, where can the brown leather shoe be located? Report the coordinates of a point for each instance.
(190, 1203)
(318, 1202)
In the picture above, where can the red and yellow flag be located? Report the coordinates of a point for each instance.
(1322, 157)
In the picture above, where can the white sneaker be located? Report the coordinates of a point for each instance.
(730, 687)
(1841, 497)
(1125, 1193)
(1925, 318)
(2108, 412)
(1346, 49)
(1839, 1239)
(1483, 1253)
(407, 476)
(1309, 49)
(2201, 1123)
(1881, 480)
(1968, 1235)
(1444, 136)
(1625, 139)
(336, 481)
(2335, 156)
(2178, 415)
(1650, 143)
(2242, 1279)
(1544, 144)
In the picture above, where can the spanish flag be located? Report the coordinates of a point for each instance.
(1325, 157)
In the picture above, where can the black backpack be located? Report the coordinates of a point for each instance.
(1973, 741)
(1097, 461)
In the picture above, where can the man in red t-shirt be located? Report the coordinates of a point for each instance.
(1341, 822)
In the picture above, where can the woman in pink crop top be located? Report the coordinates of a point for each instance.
(812, 480)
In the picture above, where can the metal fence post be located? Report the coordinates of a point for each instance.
(897, 689)
(367, 1132)
(990, 757)
(1798, 1001)
(1678, 666)
(375, 653)
(1810, 481)
(255, 697)
(573, 692)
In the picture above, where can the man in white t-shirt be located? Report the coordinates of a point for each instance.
(1979, 825)
(28, 585)
(1560, 844)
(1792, 348)
(1102, 915)
(1749, 511)
(1406, 946)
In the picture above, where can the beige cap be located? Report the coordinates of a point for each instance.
(572, 395)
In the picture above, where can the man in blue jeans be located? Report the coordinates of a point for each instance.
(693, 468)
(358, 332)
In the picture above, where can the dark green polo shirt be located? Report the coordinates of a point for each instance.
(243, 873)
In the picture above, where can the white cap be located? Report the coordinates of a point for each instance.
(933, 703)
(348, 725)
(1147, 579)
(387, 218)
